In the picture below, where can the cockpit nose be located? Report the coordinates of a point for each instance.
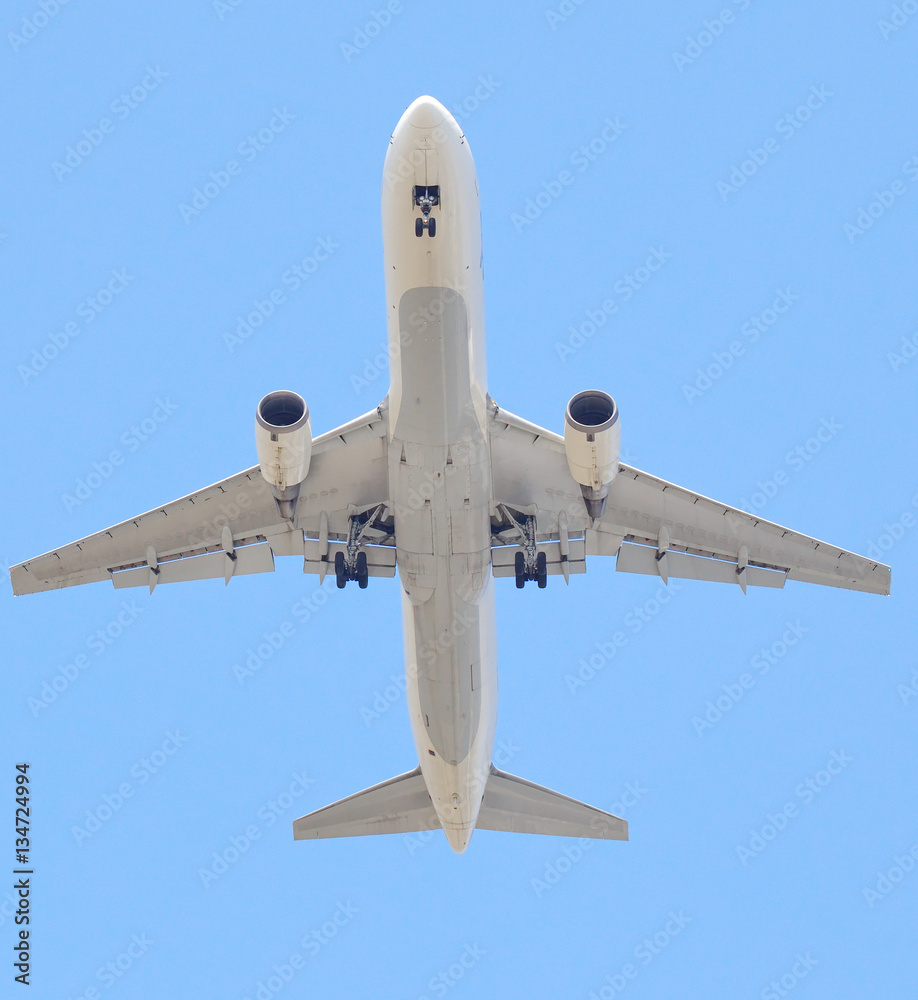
(426, 112)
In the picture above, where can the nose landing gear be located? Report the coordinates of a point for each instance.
(426, 198)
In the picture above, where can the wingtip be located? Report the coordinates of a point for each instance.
(22, 581)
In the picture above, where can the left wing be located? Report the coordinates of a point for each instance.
(655, 527)
(234, 527)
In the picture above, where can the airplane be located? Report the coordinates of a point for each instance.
(449, 490)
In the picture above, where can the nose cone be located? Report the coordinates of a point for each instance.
(426, 112)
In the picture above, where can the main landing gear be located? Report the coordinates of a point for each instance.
(426, 197)
(352, 564)
(529, 563)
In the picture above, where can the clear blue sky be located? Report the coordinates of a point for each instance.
(656, 117)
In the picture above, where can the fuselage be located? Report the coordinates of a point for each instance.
(439, 457)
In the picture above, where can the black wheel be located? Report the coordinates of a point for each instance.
(362, 573)
(519, 566)
(541, 570)
(340, 571)
(419, 227)
(432, 226)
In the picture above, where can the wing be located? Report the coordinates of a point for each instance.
(653, 526)
(234, 527)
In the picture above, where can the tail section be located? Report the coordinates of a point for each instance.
(514, 805)
(399, 805)
(518, 806)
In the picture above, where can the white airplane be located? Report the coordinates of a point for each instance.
(443, 485)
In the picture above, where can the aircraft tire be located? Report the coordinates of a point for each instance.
(519, 566)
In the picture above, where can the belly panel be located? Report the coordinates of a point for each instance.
(435, 406)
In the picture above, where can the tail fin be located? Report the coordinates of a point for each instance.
(399, 805)
(519, 806)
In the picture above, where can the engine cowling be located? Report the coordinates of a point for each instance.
(592, 442)
(283, 439)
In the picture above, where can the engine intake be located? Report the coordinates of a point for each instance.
(592, 442)
(283, 439)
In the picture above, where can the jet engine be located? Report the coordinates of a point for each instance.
(283, 439)
(592, 441)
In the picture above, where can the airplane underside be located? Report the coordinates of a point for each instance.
(442, 486)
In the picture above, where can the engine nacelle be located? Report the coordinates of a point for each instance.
(593, 443)
(283, 438)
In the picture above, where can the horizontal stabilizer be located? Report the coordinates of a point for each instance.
(399, 805)
(518, 806)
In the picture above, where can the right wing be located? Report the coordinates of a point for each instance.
(233, 527)
(708, 540)
(653, 526)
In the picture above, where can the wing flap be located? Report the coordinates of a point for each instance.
(399, 805)
(514, 805)
(643, 559)
(214, 565)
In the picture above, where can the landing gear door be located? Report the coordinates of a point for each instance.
(427, 173)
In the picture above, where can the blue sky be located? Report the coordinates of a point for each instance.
(763, 157)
